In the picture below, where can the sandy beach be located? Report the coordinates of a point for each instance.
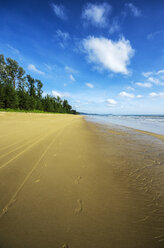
(69, 183)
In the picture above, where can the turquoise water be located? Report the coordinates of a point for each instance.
(149, 123)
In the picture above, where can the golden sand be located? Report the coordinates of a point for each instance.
(68, 183)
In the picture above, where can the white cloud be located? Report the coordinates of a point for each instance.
(111, 55)
(61, 95)
(147, 74)
(59, 11)
(130, 88)
(45, 93)
(153, 73)
(139, 96)
(70, 70)
(155, 81)
(111, 102)
(97, 14)
(71, 77)
(15, 51)
(32, 67)
(56, 93)
(153, 35)
(126, 94)
(114, 26)
(154, 94)
(90, 85)
(154, 77)
(130, 95)
(150, 36)
(144, 85)
(62, 37)
(48, 67)
(160, 72)
(134, 10)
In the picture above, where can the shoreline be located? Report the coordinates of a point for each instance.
(143, 124)
(118, 126)
(67, 182)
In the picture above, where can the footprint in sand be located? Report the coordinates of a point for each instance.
(37, 181)
(79, 207)
(77, 180)
(65, 246)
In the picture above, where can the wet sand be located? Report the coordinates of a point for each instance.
(65, 182)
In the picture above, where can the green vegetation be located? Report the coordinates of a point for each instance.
(20, 92)
(28, 111)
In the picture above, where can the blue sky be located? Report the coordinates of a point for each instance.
(102, 56)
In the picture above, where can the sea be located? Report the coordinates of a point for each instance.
(149, 123)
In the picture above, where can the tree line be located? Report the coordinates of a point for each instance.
(22, 92)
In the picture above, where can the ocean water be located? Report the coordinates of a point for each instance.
(149, 123)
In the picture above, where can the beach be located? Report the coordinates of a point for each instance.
(69, 183)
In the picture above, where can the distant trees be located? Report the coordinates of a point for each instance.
(20, 91)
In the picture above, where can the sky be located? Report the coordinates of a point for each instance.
(104, 57)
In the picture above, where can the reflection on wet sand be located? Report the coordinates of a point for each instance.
(138, 163)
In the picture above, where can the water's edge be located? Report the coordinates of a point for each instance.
(152, 124)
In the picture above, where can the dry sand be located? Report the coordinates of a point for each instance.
(68, 183)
